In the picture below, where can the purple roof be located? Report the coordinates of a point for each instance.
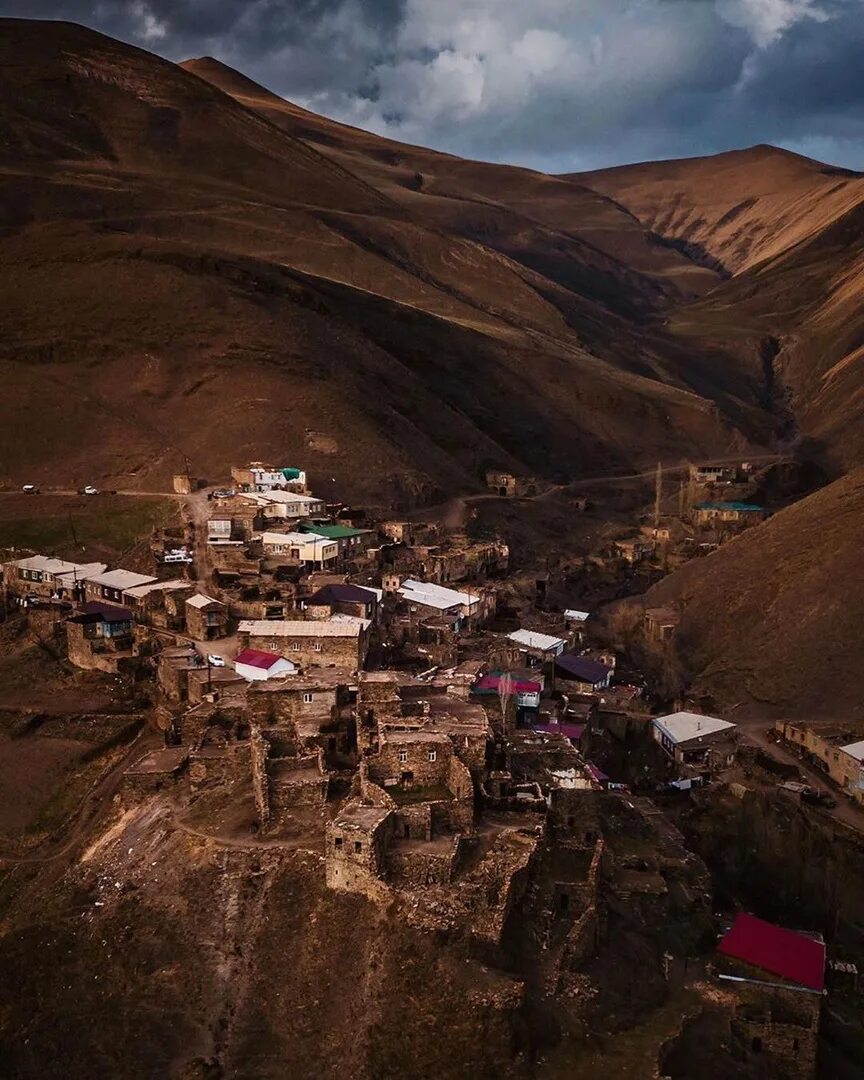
(97, 612)
(574, 732)
(342, 594)
(571, 666)
(489, 684)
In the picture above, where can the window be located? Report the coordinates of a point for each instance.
(432, 755)
(403, 755)
(295, 646)
(337, 843)
(317, 646)
(307, 698)
(358, 847)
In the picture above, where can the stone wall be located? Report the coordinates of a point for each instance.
(346, 652)
(418, 867)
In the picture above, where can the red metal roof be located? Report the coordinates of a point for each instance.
(489, 683)
(257, 658)
(792, 956)
(574, 732)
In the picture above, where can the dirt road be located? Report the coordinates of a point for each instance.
(845, 812)
(94, 804)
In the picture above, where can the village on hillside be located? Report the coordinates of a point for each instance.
(454, 732)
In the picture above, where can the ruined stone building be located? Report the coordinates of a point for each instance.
(778, 977)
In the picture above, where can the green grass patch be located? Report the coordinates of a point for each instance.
(70, 526)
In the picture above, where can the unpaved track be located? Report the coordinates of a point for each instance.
(92, 806)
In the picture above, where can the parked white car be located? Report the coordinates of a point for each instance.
(215, 661)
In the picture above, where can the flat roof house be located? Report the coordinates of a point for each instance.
(308, 549)
(695, 741)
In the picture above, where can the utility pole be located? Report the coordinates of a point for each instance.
(681, 499)
(658, 494)
(72, 530)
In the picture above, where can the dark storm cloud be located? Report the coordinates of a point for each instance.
(559, 84)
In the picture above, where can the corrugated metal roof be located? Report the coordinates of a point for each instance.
(121, 579)
(682, 726)
(47, 565)
(346, 626)
(580, 667)
(796, 957)
(158, 586)
(855, 750)
(428, 594)
(201, 601)
(532, 640)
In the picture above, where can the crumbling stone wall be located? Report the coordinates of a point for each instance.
(419, 867)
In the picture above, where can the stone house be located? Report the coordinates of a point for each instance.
(206, 618)
(471, 607)
(357, 843)
(581, 674)
(695, 743)
(660, 624)
(48, 578)
(314, 708)
(343, 599)
(632, 551)
(100, 637)
(420, 768)
(340, 641)
(148, 603)
(833, 750)
(778, 979)
(111, 586)
(728, 513)
(532, 648)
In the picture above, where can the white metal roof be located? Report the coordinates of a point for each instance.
(431, 595)
(577, 616)
(201, 601)
(532, 640)
(308, 628)
(681, 727)
(121, 579)
(296, 538)
(283, 497)
(158, 586)
(80, 573)
(855, 750)
(53, 566)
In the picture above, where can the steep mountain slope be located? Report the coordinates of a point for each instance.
(735, 210)
(181, 276)
(789, 232)
(771, 620)
(544, 221)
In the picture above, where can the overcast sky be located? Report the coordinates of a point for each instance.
(556, 84)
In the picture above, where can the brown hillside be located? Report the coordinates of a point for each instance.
(735, 210)
(771, 620)
(180, 275)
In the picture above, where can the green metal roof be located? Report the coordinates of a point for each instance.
(290, 474)
(334, 532)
